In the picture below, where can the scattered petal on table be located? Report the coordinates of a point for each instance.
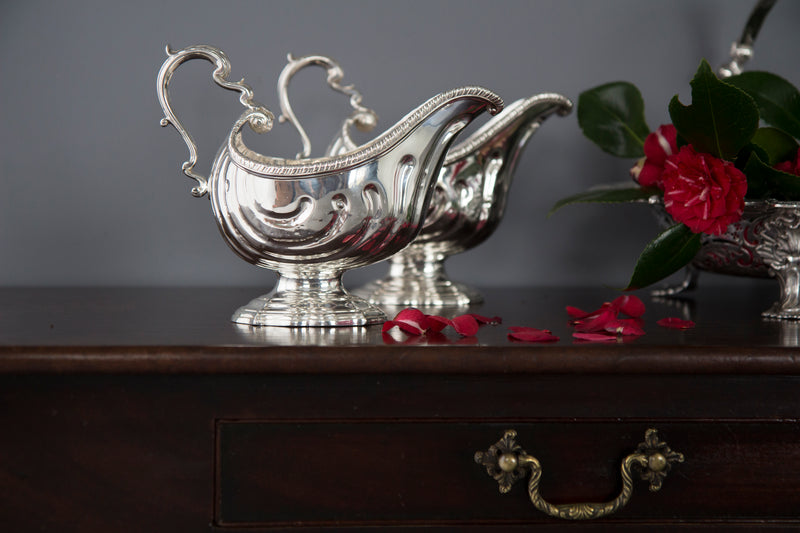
(527, 329)
(437, 323)
(630, 305)
(486, 320)
(594, 337)
(465, 325)
(410, 320)
(531, 334)
(675, 323)
(624, 326)
(596, 322)
(576, 313)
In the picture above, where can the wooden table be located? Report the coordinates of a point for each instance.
(145, 410)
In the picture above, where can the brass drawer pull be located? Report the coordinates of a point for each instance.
(507, 463)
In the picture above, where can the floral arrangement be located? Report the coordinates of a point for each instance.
(737, 141)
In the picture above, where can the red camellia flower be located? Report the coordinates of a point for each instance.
(703, 192)
(658, 146)
(791, 166)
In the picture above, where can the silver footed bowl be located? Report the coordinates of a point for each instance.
(765, 242)
(310, 220)
(468, 203)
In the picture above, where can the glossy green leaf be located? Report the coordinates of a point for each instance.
(776, 144)
(612, 116)
(721, 119)
(672, 250)
(764, 181)
(778, 100)
(608, 194)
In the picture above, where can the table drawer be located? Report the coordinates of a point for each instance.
(373, 472)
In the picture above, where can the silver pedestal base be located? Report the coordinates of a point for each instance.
(309, 303)
(765, 242)
(420, 283)
(778, 312)
(788, 306)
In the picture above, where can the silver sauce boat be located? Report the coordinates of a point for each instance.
(469, 202)
(469, 198)
(311, 219)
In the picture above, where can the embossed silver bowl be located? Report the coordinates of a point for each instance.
(468, 204)
(764, 243)
(310, 220)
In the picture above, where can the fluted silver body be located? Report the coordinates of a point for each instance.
(310, 220)
(468, 204)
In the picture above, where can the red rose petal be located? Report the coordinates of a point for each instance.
(576, 313)
(486, 320)
(412, 314)
(594, 337)
(531, 335)
(526, 328)
(465, 325)
(624, 327)
(597, 322)
(411, 329)
(410, 320)
(675, 323)
(630, 305)
(438, 323)
(579, 318)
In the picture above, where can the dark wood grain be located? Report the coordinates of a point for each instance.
(120, 412)
(188, 331)
(414, 472)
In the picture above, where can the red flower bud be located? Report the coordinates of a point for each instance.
(658, 146)
(703, 192)
(791, 166)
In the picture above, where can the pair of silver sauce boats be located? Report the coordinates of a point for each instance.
(409, 195)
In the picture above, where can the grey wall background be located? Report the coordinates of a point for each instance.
(92, 192)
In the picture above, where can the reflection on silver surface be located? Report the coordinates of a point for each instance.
(684, 307)
(299, 336)
(790, 333)
(311, 219)
(468, 203)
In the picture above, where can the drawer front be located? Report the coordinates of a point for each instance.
(374, 472)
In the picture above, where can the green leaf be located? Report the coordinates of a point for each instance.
(758, 186)
(608, 194)
(721, 119)
(778, 100)
(776, 144)
(764, 181)
(612, 116)
(673, 249)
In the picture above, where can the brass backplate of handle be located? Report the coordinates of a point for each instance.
(507, 463)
